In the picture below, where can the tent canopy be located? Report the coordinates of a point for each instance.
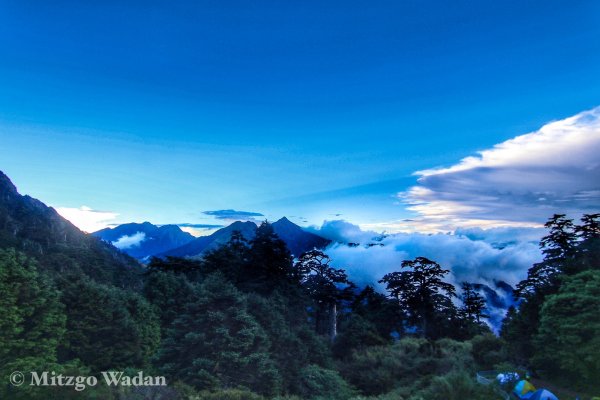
(543, 394)
(522, 388)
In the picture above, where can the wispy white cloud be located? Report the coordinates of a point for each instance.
(520, 182)
(129, 241)
(86, 218)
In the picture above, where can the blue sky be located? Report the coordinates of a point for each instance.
(315, 110)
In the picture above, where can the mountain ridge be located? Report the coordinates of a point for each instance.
(297, 239)
(32, 227)
(152, 239)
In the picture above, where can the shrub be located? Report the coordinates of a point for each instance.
(381, 369)
(230, 394)
(320, 383)
(457, 385)
(488, 350)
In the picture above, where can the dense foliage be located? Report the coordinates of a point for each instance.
(555, 329)
(247, 321)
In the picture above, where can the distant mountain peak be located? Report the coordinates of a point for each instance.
(297, 239)
(155, 239)
(241, 223)
(169, 227)
(285, 222)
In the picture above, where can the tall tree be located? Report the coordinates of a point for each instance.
(472, 310)
(567, 342)
(422, 294)
(230, 259)
(557, 247)
(190, 268)
(215, 342)
(270, 262)
(384, 313)
(32, 321)
(294, 343)
(587, 255)
(568, 250)
(168, 292)
(107, 327)
(322, 283)
(473, 307)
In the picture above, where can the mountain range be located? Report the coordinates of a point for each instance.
(297, 239)
(145, 240)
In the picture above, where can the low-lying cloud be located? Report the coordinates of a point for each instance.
(129, 241)
(485, 256)
(520, 182)
(481, 256)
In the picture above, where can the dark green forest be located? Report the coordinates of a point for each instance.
(248, 321)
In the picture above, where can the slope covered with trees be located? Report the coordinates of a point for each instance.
(250, 321)
(555, 328)
(37, 230)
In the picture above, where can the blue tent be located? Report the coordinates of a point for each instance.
(543, 394)
(524, 389)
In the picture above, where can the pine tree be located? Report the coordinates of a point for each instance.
(384, 313)
(322, 282)
(230, 259)
(190, 268)
(473, 308)
(168, 292)
(32, 321)
(215, 342)
(423, 295)
(107, 327)
(587, 254)
(472, 311)
(567, 341)
(557, 247)
(293, 342)
(270, 262)
(568, 250)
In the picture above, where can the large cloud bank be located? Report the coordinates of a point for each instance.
(482, 256)
(520, 182)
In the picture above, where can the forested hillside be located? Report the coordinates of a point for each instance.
(28, 225)
(249, 321)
